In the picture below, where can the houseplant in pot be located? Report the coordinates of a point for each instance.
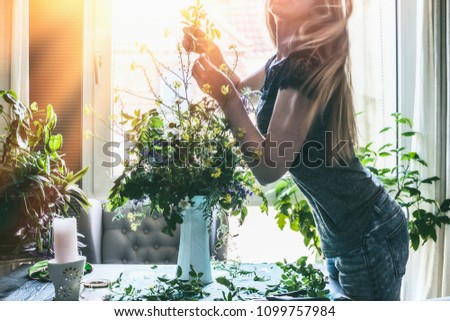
(183, 161)
(35, 183)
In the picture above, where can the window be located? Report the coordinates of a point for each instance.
(111, 49)
(55, 68)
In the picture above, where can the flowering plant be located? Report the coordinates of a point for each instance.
(182, 147)
(35, 183)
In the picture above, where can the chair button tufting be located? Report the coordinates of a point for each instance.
(155, 216)
(135, 247)
(124, 261)
(124, 231)
(146, 230)
(156, 246)
(146, 262)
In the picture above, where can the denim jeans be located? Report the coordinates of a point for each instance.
(373, 270)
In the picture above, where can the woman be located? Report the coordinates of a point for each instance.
(306, 125)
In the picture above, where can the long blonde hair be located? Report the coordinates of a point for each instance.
(325, 33)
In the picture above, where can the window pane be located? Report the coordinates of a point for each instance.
(373, 55)
(372, 32)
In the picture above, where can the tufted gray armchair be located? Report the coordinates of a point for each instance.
(113, 242)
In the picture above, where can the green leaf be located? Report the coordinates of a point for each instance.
(431, 180)
(186, 14)
(410, 156)
(444, 220)
(406, 121)
(79, 175)
(51, 118)
(55, 143)
(415, 240)
(409, 134)
(445, 206)
(280, 186)
(156, 122)
(179, 271)
(385, 130)
(224, 281)
(384, 147)
(14, 94)
(432, 233)
(281, 220)
(217, 33)
(385, 154)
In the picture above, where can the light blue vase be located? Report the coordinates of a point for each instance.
(194, 242)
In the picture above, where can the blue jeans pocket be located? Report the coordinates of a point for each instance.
(398, 243)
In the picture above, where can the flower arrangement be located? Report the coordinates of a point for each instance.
(182, 147)
(35, 183)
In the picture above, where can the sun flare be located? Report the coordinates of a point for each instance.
(149, 21)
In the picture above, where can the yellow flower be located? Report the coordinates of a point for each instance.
(176, 84)
(230, 143)
(241, 132)
(87, 134)
(217, 172)
(134, 227)
(225, 89)
(257, 153)
(206, 88)
(223, 68)
(228, 199)
(185, 136)
(87, 110)
(166, 33)
(143, 48)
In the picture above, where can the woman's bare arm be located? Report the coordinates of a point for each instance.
(268, 157)
(196, 41)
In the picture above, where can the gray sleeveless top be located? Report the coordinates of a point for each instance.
(341, 196)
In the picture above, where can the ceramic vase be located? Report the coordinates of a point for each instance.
(194, 242)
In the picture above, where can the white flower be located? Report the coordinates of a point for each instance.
(184, 203)
(236, 150)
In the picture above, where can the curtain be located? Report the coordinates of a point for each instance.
(428, 271)
(14, 64)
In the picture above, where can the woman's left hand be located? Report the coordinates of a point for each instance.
(212, 81)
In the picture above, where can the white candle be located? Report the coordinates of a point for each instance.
(65, 240)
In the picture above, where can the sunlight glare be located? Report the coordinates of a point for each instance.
(146, 21)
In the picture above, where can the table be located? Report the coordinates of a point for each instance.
(17, 287)
(9, 262)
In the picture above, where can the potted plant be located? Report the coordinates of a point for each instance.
(183, 157)
(35, 183)
(404, 181)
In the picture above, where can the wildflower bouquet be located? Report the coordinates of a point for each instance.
(183, 147)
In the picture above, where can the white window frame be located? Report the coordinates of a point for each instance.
(97, 93)
(406, 56)
(98, 35)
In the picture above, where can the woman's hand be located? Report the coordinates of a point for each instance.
(195, 40)
(213, 81)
